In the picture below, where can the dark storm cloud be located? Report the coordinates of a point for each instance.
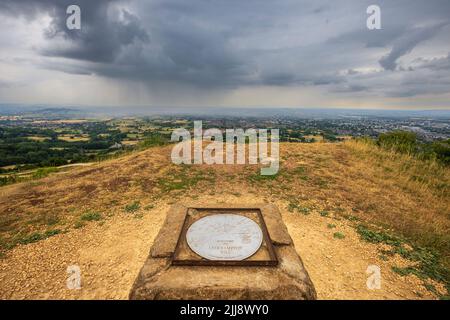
(182, 42)
(407, 43)
(216, 44)
(104, 34)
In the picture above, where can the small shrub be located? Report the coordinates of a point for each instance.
(428, 263)
(431, 288)
(300, 170)
(399, 141)
(133, 207)
(305, 210)
(44, 172)
(257, 177)
(8, 180)
(51, 233)
(52, 220)
(154, 140)
(441, 149)
(183, 179)
(292, 206)
(376, 236)
(384, 257)
(338, 235)
(91, 216)
(408, 270)
(79, 225)
(324, 213)
(350, 217)
(36, 236)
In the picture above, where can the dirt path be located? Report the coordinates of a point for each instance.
(111, 252)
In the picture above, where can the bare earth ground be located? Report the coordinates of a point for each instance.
(111, 251)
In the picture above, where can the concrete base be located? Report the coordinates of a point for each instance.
(159, 279)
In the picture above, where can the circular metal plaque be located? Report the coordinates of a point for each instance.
(224, 237)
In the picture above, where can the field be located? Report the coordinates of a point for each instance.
(347, 206)
(73, 138)
(38, 139)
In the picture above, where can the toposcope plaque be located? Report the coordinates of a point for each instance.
(224, 237)
(228, 252)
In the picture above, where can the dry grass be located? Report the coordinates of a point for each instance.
(404, 193)
(406, 196)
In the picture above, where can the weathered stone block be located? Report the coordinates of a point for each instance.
(159, 279)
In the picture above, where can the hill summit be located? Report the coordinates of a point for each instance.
(347, 206)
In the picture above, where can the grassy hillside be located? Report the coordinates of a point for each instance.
(395, 201)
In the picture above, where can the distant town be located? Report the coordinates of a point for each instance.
(58, 137)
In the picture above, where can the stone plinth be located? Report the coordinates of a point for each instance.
(159, 279)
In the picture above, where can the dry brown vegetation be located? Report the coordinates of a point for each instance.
(414, 194)
(353, 181)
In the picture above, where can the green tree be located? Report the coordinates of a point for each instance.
(400, 141)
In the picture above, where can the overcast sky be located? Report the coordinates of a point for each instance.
(283, 53)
